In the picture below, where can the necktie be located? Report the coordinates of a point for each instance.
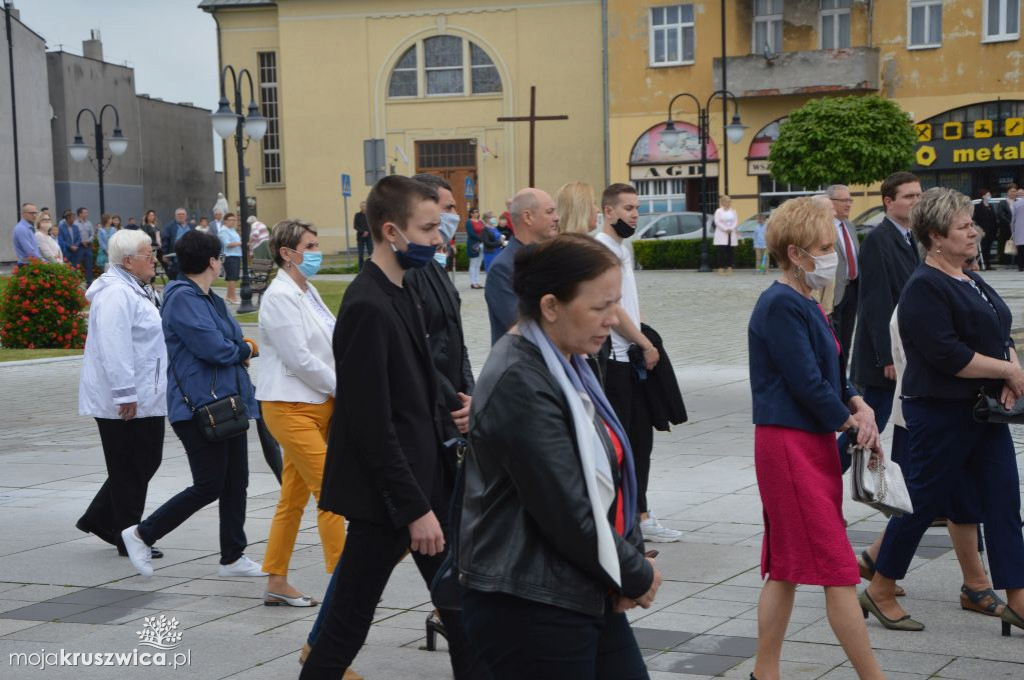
(913, 243)
(851, 257)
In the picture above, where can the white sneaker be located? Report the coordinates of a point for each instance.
(138, 552)
(243, 566)
(655, 532)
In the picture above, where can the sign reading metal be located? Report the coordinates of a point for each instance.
(969, 153)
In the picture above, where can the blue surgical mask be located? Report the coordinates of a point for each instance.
(415, 256)
(310, 265)
(441, 259)
(449, 225)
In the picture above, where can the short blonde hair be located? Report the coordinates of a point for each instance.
(576, 207)
(799, 222)
(287, 234)
(935, 212)
(41, 218)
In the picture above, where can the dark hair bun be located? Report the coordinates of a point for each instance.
(557, 267)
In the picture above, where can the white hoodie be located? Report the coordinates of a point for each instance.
(125, 355)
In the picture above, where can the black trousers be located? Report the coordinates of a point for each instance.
(627, 396)
(370, 555)
(364, 244)
(986, 249)
(521, 639)
(724, 256)
(220, 472)
(132, 450)
(844, 316)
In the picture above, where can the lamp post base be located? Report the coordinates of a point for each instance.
(705, 266)
(246, 307)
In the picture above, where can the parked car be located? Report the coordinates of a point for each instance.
(672, 225)
(747, 227)
(868, 220)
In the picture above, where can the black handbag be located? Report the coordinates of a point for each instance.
(989, 410)
(221, 419)
(445, 589)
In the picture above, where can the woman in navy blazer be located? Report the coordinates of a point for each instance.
(801, 399)
(956, 332)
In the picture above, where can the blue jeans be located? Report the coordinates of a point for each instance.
(518, 639)
(880, 400)
(951, 455)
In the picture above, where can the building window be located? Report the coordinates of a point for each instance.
(661, 195)
(444, 66)
(269, 107)
(403, 78)
(925, 23)
(1002, 20)
(485, 74)
(767, 31)
(671, 35)
(457, 153)
(835, 24)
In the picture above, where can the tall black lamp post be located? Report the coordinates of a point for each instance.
(117, 142)
(734, 133)
(226, 123)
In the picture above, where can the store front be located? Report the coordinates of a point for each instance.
(770, 193)
(975, 147)
(667, 178)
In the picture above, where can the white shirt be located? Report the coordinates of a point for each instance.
(899, 362)
(630, 300)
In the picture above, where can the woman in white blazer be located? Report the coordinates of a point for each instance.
(726, 224)
(124, 385)
(296, 385)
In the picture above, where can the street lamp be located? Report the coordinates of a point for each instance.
(733, 132)
(117, 143)
(227, 122)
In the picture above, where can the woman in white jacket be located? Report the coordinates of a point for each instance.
(124, 385)
(725, 233)
(295, 385)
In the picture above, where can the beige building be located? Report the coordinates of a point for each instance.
(953, 65)
(431, 80)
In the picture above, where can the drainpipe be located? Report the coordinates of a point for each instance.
(604, 77)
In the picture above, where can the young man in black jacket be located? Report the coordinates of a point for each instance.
(384, 470)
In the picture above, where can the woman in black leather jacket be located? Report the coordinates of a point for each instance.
(551, 555)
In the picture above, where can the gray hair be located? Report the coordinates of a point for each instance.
(833, 190)
(126, 243)
(287, 234)
(180, 210)
(935, 211)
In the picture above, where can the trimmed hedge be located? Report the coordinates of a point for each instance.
(41, 307)
(685, 254)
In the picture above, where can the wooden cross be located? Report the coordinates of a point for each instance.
(532, 120)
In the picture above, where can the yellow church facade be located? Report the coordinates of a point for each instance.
(431, 83)
(953, 65)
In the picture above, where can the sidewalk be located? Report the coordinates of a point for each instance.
(63, 590)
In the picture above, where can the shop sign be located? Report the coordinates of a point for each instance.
(969, 153)
(674, 171)
(758, 166)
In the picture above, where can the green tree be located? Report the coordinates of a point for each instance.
(848, 140)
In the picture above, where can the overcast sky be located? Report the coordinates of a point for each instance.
(171, 44)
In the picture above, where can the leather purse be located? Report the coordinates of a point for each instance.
(989, 410)
(878, 482)
(221, 419)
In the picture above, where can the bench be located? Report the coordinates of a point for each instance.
(260, 271)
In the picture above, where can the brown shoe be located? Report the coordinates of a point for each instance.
(351, 675)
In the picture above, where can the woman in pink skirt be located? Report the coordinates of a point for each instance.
(801, 400)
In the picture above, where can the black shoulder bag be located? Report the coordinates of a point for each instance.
(222, 419)
(990, 410)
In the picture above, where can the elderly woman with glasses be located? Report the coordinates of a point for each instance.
(124, 385)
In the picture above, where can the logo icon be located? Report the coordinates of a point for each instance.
(160, 632)
(925, 155)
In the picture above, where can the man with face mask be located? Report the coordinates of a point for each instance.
(623, 383)
(535, 217)
(384, 469)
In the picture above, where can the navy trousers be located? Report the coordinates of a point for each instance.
(880, 400)
(950, 454)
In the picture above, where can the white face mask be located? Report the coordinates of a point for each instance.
(824, 273)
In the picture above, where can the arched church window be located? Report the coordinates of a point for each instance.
(444, 66)
(403, 78)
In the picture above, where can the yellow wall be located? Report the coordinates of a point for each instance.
(335, 58)
(963, 71)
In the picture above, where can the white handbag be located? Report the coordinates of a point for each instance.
(878, 482)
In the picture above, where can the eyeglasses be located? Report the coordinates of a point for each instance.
(842, 200)
(151, 256)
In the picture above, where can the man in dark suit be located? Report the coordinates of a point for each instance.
(384, 470)
(844, 300)
(442, 316)
(1004, 216)
(364, 244)
(888, 257)
(985, 217)
(171, 232)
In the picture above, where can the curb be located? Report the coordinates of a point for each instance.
(33, 362)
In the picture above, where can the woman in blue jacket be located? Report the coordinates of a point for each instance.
(207, 356)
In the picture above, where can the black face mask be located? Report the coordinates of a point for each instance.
(622, 229)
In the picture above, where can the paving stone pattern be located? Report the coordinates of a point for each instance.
(63, 590)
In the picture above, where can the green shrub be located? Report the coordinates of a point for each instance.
(685, 254)
(41, 307)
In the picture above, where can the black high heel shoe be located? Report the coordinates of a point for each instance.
(434, 628)
(1010, 618)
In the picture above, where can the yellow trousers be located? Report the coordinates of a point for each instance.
(301, 430)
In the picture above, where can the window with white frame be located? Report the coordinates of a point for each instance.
(835, 24)
(767, 29)
(443, 66)
(269, 108)
(925, 23)
(1002, 20)
(671, 35)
